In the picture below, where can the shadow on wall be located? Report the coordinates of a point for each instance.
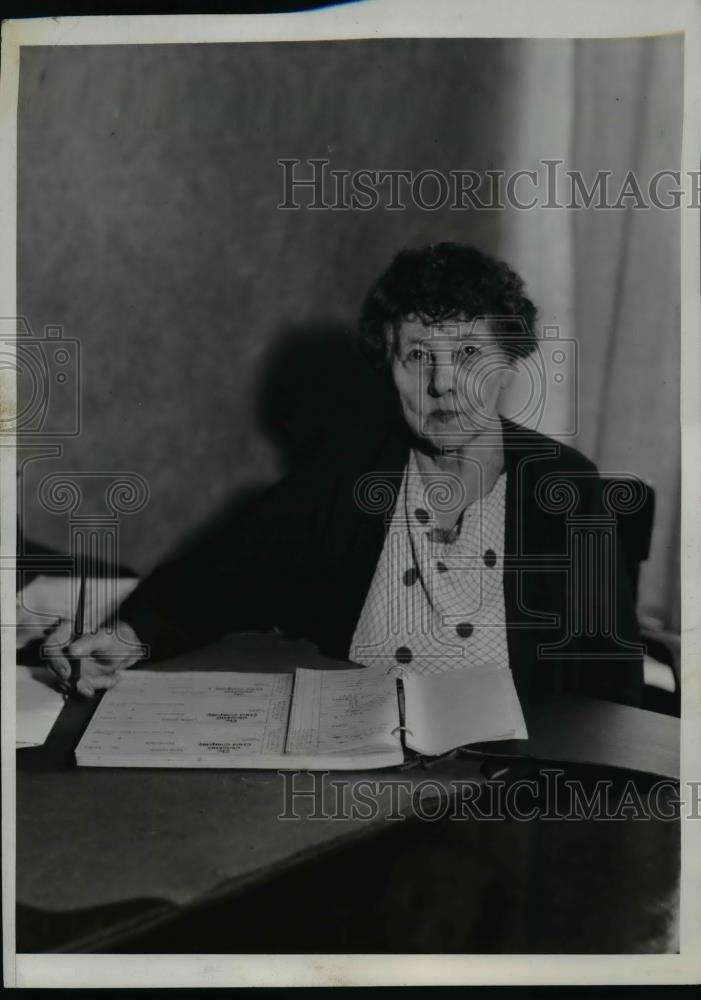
(313, 384)
(314, 381)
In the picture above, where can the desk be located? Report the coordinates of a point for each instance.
(105, 855)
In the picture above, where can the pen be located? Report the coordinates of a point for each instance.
(78, 630)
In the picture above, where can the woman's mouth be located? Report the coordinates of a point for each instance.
(444, 416)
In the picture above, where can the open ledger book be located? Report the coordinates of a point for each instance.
(345, 719)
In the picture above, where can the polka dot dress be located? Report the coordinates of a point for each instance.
(436, 601)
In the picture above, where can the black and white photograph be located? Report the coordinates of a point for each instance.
(349, 427)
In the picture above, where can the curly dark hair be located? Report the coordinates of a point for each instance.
(441, 283)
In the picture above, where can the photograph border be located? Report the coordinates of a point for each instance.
(365, 20)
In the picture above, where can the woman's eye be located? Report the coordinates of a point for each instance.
(469, 350)
(416, 354)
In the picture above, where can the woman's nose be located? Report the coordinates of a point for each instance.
(441, 380)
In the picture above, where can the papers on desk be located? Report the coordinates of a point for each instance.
(318, 719)
(480, 702)
(153, 719)
(216, 719)
(343, 713)
(39, 703)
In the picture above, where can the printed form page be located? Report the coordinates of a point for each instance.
(193, 719)
(345, 715)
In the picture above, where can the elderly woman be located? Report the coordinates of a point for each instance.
(439, 537)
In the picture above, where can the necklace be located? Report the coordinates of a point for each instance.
(447, 536)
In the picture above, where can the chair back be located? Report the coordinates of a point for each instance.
(634, 530)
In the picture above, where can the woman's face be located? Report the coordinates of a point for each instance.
(449, 379)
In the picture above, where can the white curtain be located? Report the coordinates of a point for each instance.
(609, 278)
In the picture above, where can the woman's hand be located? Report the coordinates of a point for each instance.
(102, 655)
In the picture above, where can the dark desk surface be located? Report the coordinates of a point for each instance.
(134, 844)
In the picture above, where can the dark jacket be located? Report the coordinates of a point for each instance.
(302, 558)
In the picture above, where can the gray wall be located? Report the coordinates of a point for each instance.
(148, 229)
